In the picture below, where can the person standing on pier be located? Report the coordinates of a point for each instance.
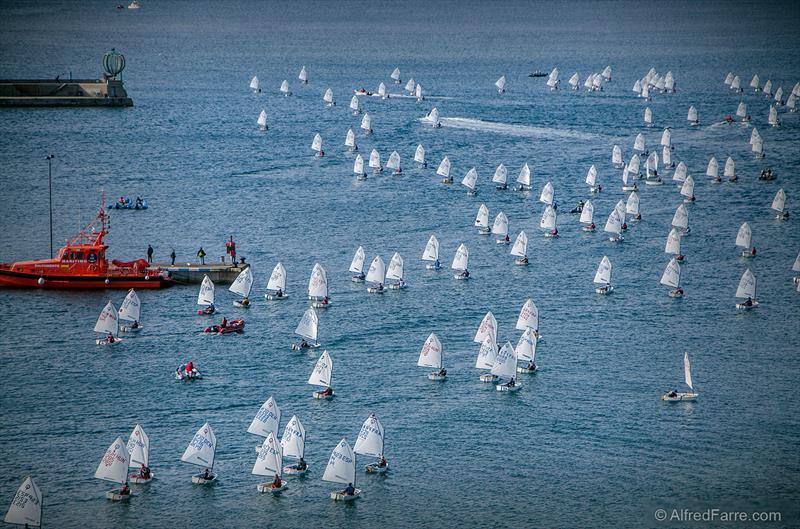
(230, 249)
(172, 256)
(149, 254)
(202, 255)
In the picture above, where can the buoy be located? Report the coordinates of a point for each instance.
(108, 282)
(147, 278)
(41, 281)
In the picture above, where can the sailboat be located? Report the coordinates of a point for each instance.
(307, 328)
(729, 78)
(444, 171)
(355, 106)
(767, 88)
(680, 219)
(350, 142)
(114, 468)
(712, 170)
(419, 156)
(375, 161)
(469, 181)
(433, 118)
(342, 469)
(486, 357)
(130, 310)
(669, 82)
(382, 91)
(394, 162)
(606, 73)
(614, 226)
(526, 351)
(316, 146)
(672, 278)
(318, 288)
(375, 276)
(262, 120)
(505, 367)
(779, 205)
(395, 75)
(371, 442)
(547, 194)
(357, 266)
(285, 88)
(266, 421)
(108, 325)
(242, 286)
(574, 81)
(736, 84)
(552, 79)
(548, 222)
(488, 327)
(500, 228)
(138, 448)
(524, 178)
(303, 75)
(358, 168)
(627, 180)
(293, 443)
(673, 246)
(528, 318)
(666, 139)
(501, 84)
(276, 286)
(410, 86)
(500, 177)
(520, 249)
(431, 253)
(741, 112)
(603, 277)
(395, 273)
(418, 93)
(431, 356)
(482, 220)
(666, 157)
(328, 98)
(730, 170)
(651, 166)
(796, 268)
(743, 240)
(321, 376)
(674, 395)
(255, 85)
(616, 157)
(757, 146)
(633, 166)
(587, 216)
(632, 207)
(270, 463)
(747, 290)
(691, 116)
(639, 144)
(461, 262)
(26, 507)
(687, 190)
(366, 123)
(591, 179)
(754, 83)
(201, 452)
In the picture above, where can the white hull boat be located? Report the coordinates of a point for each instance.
(506, 387)
(679, 396)
(744, 306)
(436, 376)
(292, 470)
(374, 468)
(339, 495)
(139, 480)
(319, 395)
(488, 377)
(274, 297)
(605, 290)
(267, 487)
(198, 479)
(114, 495)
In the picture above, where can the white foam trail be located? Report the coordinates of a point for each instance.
(511, 129)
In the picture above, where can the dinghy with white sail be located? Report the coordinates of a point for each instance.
(444, 171)
(674, 395)
(486, 357)
(358, 168)
(547, 195)
(431, 356)
(395, 75)
(520, 249)
(587, 216)
(691, 116)
(672, 278)
(528, 318)
(500, 228)
(632, 207)
(355, 106)
(505, 367)
(744, 239)
(113, 467)
(130, 311)
(328, 98)
(375, 276)
(673, 245)
(108, 325)
(266, 421)
(139, 449)
(308, 329)
(461, 262)
(500, 177)
(526, 351)
(293, 443)
(419, 156)
(603, 277)
(433, 118)
(552, 79)
(431, 253)
(548, 222)
(205, 298)
(316, 146)
(394, 273)
(469, 181)
(371, 442)
(26, 507)
(591, 180)
(357, 266)
(201, 452)
(270, 463)
(342, 469)
(276, 286)
(285, 88)
(747, 291)
(242, 286)
(321, 376)
(255, 84)
(730, 170)
(366, 123)
(524, 178)
(712, 170)
(303, 75)
(262, 120)
(687, 190)
(318, 288)
(482, 220)
(393, 162)
(616, 157)
(614, 226)
(779, 205)
(350, 143)
(501, 84)
(680, 219)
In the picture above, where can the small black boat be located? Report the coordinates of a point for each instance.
(537, 73)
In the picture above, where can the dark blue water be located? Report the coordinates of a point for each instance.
(586, 442)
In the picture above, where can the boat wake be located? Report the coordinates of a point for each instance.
(511, 129)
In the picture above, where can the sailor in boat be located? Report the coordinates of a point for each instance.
(554, 233)
(244, 301)
(276, 483)
(753, 251)
(350, 490)
(766, 174)
(209, 309)
(531, 366)
(748, 302)
(728, 119)
(436, 264)
(382, 463)
(523, 259)
(464, 274)
(591, 227)
(207, 475)
(303, 344)
(300, 465)
(139, 203)
(579, 207)
(223, 323)
(672, 394)
(144, 472)
(327, 392)
(110, 338)
(442, 372)
(364, 91)
(124, 490)
(510, 383)
(677, 292)
(325, 300)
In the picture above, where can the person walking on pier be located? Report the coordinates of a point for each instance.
(202, 255)
(149, 254)
(172, 256)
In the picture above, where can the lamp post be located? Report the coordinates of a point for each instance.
(50, 183)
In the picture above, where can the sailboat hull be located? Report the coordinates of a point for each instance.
(198, 479)
(267, 487)
(742, 306)
(436, 376)
(274, 297)
(488, 377)
(138, 479)
(339, 495)
(103, 341)
(679, 397)
(292, 470)
(432, 267)
(319, 395)
(114, 495)
(507, 388)
(608, 289)
(320, 305)
(373, 468)
(521, 369)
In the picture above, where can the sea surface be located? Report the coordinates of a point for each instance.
(586, 442)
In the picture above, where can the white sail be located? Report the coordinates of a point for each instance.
(377, 270)
(501, 83)
(505, 363)
(681, 217)
(357, 264)
(528, 316)
(488, 327)
(500, 175)
(673, 245)
(743, 236)
(370, 438)
(632, 204)
(308, 325)
(796, 265)
(524, 177)
(575, 80)
(616, 155)
(431, 353)
(651, 164)
(26, 507)
(350, 139)
(736, 84)
(114, 465)
(270, 458)
(138, 447)
(431, 252)
(666, 138)
(262, 119)
(382, 90)
(741, 110)
(410, 85)
(323, 371)
(548, 220)
(633, 164)
(482, 218)
(395, 270)
(778, 203)
(747, 285)
(754, 82)
(318, 282)
(672, 274)
(206, 294)
(316, 144)
(255, 85)
(687, 189)
(358, 165)
(587, 213)
(374, 159)
(394, 161)
(645, 91)
(461, 259)
(552, 79)
(131, 307)
(470, 178)
(418, 92)
(395, 75)
(638, 143)
(500, 225)
(758, 146)
(433, 117)
(285, 87)
(637, 86)
(669, 82)
(687, 371)
(277, 280)
(293, 440)
(328, 96)
(520, 248)
(444, 168)
(108, 321)
(366, 122)
(691, 116)
(267, 420)
(243, 283)
(614, 223)
(487, 353)
(754, 135)
(606, 73)
(354, 104)
(773, 116)
(680, 173)
(341, 465)
(591, 176)
(303, 75)
(419, 154)
(713, 168)
(666, 156)
(526, 346)
(547, 194)
(730, 168)
(603, 274)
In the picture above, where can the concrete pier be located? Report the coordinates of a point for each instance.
(187, 273)
(107, 92)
